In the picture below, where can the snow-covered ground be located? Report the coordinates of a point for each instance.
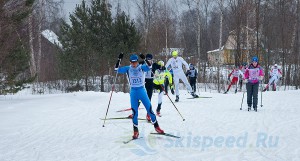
(59, 127)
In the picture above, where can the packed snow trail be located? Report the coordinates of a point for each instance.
(60, 127)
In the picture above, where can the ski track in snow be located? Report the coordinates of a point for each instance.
(60, 127)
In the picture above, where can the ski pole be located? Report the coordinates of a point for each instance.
(113, 86)
(172, 102)
(242, 100)
(261, 94)
(198, 85)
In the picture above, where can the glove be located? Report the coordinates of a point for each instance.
(148, 63)
(228, 79)
(245, 81)
(187, 73)
(260, 78)
(142, 56)
(121, 55)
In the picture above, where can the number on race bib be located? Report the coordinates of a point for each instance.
(136, 80)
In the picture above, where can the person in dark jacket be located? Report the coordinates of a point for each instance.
(192, 75)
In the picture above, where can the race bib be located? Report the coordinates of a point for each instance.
(253, 74)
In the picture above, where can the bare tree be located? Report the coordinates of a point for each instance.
(146, 8)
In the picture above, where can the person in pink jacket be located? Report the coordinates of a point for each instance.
(253, 75)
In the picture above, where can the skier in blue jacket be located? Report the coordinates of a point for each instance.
(136, 76)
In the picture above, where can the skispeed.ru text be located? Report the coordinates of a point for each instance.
(259, 140)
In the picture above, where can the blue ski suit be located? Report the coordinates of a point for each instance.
(138, 92)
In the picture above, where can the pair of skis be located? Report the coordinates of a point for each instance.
(153, 133)
(120, 118)
(199, 97)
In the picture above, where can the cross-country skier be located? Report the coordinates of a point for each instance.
(241, 78)
(149, 77)
(176, 64)
(275, 75)
(253, 75)
(192, 75)
(235, 77)
(136, 76)
(159, 78)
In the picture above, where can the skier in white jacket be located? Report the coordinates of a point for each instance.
(176, 65)
(275, 75)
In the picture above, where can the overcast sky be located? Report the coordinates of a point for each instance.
(128, 6)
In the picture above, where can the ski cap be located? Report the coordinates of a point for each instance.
(191, 66)
(275, 65)
(134, 58)
(255, 59)
(174, 53)
(149, 56)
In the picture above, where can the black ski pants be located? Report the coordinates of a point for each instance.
(149, 87)
(252, 92)
(193, 83)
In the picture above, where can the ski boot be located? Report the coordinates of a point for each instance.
(255, 109)
(172, 91)
(235, 91)
(194, 95)
(158, 114)
(177, 98)
(158, 129)
(148, 118)
(249, 108)
(135, 133)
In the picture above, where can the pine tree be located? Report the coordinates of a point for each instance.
(14, 50)
(92, 42)
(74, 60)
(125, 36)
(101, 25)
(16, 65)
